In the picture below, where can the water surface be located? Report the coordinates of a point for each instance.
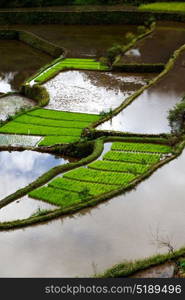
(19, 140)
(92, 91)
(148, 113)
(20, 168)
(159, 46)
(23, 208)
(11, 104)
(124, 228)
(81, 40)
(18, 62)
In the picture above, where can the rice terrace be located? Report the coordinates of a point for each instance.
(92, 138)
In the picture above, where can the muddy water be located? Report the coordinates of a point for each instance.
(123, 228)
(18, 62)
(90, 91)
(20, 168)
(19, 140)
(11, 104)
(158, 47)
(81, 40)
(148, 113)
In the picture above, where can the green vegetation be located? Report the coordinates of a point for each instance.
(164, 6)
(128, 268)
(40, 212)
(87, 174)
(28, 119)
(141, 147)
(102, 176)
(37, 93)
(53, 140)
(119, 167)
(21, 128)
(59, 127)
(56, 196)
(70, 63)
(176, 117)
(78, 186)
(62, 115)
(142, 158)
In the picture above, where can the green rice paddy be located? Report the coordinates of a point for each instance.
(70, 63)
(116, 170)
(57, 127)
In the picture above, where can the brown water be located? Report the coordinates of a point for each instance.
(81, 40)
(18, 62)
(18, 169)
(123, 228)
(158, 47)
(148, 113)
(166, 270)
(11, 104)
(91, 91)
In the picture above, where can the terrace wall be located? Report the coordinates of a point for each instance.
(88, 17)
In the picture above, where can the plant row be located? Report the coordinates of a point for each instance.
(141, 147)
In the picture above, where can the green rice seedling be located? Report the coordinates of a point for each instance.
(53, 140)
(21, 128)
(77, 186)
(118, 166)
(143, 158)
(28, 119)
(63, 115)
(141, 147)
(70, 64)
(55, 196)
(90, 175)
(164, 6)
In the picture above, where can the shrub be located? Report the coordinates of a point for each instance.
(129, 36)
(141, 30)
(113, 52)
(176, 117)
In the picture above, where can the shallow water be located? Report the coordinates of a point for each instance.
(123, 228)
(19, 140)
(11, 104)
(23, 208)
(91, 91)
(20, 168)
(18, 62)
(81, 40)
(148, 113)
(158, 47)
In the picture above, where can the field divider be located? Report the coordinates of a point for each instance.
(170, 64)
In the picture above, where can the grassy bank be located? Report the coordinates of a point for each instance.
(164, 6)
(128, 268)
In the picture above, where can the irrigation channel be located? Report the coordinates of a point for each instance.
(124, 227)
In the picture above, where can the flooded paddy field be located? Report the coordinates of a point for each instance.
(23, 208)
(18, 62)
(148, 113)
(81, 40)
(11, 104)
(91, 91)
(19, 140)
(125, 227)
(158, 47)
(20, 168)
